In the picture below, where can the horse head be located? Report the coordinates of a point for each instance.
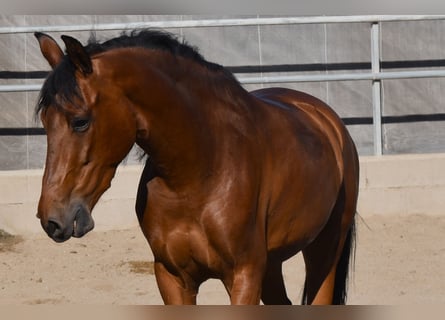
(89, 132)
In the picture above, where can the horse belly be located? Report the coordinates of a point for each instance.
(292, 226)
(300, 204)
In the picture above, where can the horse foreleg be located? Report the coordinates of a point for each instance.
(245, 285)
(172, 288)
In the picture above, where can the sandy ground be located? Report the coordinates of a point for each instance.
(399, 260)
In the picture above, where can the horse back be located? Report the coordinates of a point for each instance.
(320, 114)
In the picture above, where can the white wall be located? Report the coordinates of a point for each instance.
(20, 191)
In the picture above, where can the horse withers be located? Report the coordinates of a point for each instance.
(234, 184)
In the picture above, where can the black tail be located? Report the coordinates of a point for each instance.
(343, 266)
(342, 274)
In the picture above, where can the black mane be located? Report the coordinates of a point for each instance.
(61, 86)
(151, 39)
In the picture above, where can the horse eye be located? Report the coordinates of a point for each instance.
(80, 125)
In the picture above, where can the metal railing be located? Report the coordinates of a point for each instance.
(375, 75)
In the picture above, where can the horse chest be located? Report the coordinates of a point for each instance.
(183, 247)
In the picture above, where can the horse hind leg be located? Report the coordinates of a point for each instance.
(327, 257)
(273, 288)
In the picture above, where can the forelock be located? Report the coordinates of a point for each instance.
(59, 88)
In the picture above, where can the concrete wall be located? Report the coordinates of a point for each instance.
(21, 191)
(402, 184)
(397, 184)
(308, 49)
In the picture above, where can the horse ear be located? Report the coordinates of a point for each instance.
(78, 55)
(50, 49)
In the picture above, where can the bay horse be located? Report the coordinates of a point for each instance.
(234, 184)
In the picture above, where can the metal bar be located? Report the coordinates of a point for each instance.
(345, 76)
(388, 75)
(20, 87)
(220, 23)
(293, 78)
(376, 89)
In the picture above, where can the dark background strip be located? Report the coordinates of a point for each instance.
(406, 64)
(347, 120)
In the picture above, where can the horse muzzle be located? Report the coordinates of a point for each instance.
(76, 222)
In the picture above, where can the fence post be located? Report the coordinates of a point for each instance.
(376, 88)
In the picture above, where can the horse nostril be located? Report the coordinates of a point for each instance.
(52, 227)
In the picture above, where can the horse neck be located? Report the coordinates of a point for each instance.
(174, 126)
